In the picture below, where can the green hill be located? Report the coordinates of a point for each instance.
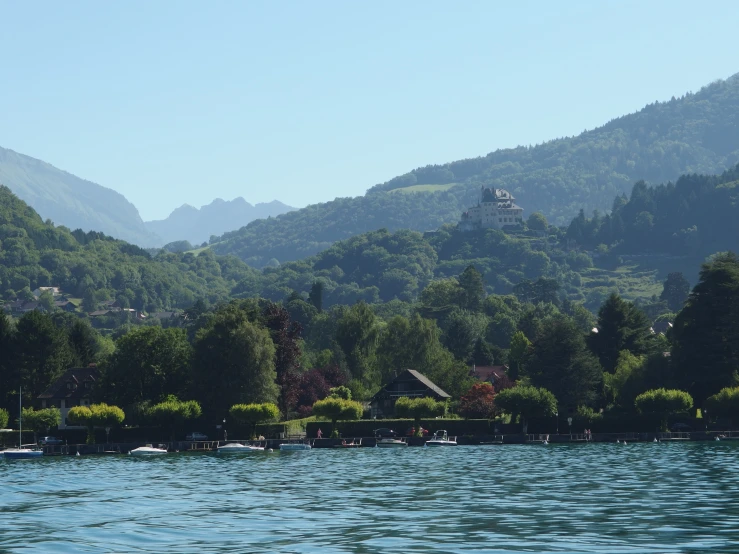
(696, 133)
(73, 202)
(91, 265)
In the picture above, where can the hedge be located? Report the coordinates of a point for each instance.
(366, 427)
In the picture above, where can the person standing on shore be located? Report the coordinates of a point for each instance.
(319, 434)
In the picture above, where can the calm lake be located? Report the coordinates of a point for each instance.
(559, 498)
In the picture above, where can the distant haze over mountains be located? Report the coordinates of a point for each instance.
(197, 225)
(70, 201)
(79, 204)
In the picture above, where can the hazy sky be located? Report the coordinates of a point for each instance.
(182, 102)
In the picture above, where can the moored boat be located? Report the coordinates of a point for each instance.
(390, 443)
(23, 452)
(441, 438)
(238, 448)
(147, 450)
(294, 446)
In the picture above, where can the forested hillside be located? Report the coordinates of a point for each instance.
(95, 267)
(696, 133)
(71, 201)
(695, 216)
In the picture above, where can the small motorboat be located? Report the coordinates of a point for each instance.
(148, 450)
(351, 444)
(238, 448)
(441, 438)
(390, 443)
(294, 446)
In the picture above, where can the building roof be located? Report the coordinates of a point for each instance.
(99, 313)
(488, 372)
(420, 377)
(72, 384)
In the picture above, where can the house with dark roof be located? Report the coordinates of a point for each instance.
(74, 388)
(409, 383)
(65, 305)
(489, 373)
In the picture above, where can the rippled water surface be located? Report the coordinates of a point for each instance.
(585, 498)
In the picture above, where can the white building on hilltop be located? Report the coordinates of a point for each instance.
(495, 210)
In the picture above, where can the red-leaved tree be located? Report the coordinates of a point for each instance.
(478, 402)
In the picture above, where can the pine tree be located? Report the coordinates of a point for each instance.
(706, 331)
(675, 292)
(620, 326)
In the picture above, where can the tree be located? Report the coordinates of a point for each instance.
(561, 363)
(46, 301)
(724, 403)
(315, 296)
(9, 375)
(473, 288)
(254, 414)
(4, 417)
(463, 330)
(537, 222)
(342, 392)
(620, 326)
(40, 420)
(478, 402)
(233, 363)
(96, 415)
(89, 302)
(527, 401)
(42, 353)
(418, 408)
(337, 409)
(356, 333)
(628, 369)
(517, 355)
(285, 334)
(149, 363)
(675, 292)
(172, 414)
(84, 341)
(706, 332)
(663, 402)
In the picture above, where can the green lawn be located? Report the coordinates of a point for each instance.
(197, 251)
(425, 188)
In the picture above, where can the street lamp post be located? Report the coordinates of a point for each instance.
(569, 422)
(225, 433)
(556, 414)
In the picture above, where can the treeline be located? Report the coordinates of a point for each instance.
(695, 216)
(292, 353)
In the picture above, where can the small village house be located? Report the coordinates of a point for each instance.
(489, 373)
(74, 388)
(409, 383)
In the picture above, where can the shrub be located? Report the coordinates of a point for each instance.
(254, 414)
(663, 402)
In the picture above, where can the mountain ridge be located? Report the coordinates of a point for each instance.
(696, 133)
(197, 225)
(70, 200)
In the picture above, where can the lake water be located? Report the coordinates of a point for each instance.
(577, 498)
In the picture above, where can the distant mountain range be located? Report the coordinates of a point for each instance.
(696, 133)
(79, 204)
(70, 201)
(198, 225)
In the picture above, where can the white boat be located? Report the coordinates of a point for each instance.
(238, 448)
(147, 450)
(294, 446)
(390, 443)
(24, 451)
(441, 438)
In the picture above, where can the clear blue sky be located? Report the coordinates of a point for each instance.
(182, 102)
